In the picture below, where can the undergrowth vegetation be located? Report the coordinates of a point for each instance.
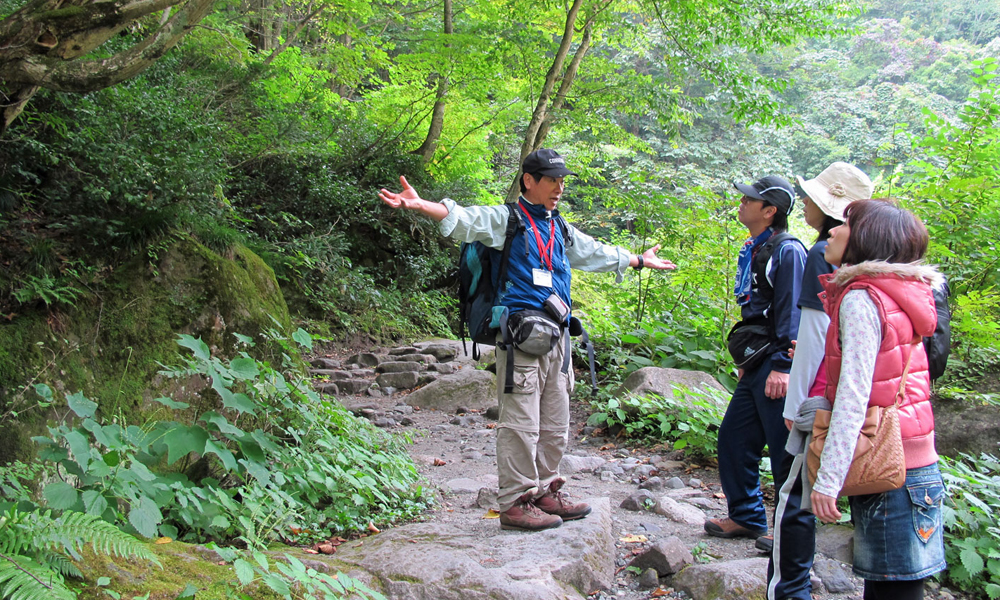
(264, 459)
(972, 537)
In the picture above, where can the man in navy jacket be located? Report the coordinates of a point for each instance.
(768, 294)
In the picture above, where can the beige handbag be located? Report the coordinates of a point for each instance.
(879, 464)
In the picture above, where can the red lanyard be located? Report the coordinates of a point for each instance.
(542, 249)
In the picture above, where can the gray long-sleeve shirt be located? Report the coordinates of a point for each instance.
(488, 225)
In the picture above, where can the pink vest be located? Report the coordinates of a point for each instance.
(906, 310)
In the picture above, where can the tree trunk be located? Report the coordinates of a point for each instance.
(541, 107)
(429, 147)
(41, 45)
(567, 82)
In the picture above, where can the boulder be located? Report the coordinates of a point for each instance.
(963, 426)
(836, 542)
(352, 386)
(441, 352)
(403, 350)
(326, 388)
(667, 557)
(325, 363)
(744, 579)
(397, 367)
(470, 388)
(835, 579)
(680, 512)
(661, 381)
(419, 358)
(483, 562)
(364, 359)
(404, 380)
(579, 464)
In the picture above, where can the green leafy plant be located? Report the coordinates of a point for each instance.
(48, 289)
(269, 459)
(690, 420)
(290, 578)
(37, 550)
(972, 537)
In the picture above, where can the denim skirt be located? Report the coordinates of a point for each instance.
(898, 535)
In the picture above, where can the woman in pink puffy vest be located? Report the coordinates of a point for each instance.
(881, 304)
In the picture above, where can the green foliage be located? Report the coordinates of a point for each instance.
(48, 289)
(972, 538)
(290, 578)
(36, 550)
(273, 459)
(690, 420)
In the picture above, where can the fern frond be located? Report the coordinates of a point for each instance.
(59, 563)
(74, 529)
(23, 579)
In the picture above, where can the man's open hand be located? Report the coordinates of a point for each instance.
(651, 260)
(408, 198)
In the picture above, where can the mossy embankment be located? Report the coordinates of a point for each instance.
(111, 343)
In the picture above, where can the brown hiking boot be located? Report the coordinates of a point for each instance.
(728, 528)
(525, 516)
(557, 502)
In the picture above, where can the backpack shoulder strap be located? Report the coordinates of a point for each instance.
(567, 239)
(514, 224)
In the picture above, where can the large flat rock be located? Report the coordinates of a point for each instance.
(479, 561)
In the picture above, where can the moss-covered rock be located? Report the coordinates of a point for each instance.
(110, 345)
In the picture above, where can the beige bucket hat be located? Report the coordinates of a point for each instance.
(836, 187)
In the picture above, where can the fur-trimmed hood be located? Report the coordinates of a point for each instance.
(873, 268)
(908, 284)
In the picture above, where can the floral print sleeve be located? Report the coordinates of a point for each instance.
(860, 338)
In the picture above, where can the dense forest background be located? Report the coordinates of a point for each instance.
(251, 138)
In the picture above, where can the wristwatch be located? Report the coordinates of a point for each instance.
(642, 263)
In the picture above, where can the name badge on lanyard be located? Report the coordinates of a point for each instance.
(541, 277)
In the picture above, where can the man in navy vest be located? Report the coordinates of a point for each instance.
(767, 294)
(533, 428)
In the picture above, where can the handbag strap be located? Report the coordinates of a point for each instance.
(906, 369)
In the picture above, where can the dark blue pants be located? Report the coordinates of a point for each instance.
(794, 539)
(752, 421)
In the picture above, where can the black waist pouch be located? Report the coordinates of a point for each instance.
(749, 344)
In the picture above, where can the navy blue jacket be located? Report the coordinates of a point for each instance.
(784, 276)
(520, 292)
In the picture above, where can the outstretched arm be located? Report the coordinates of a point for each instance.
(409, 199)
(651, 260)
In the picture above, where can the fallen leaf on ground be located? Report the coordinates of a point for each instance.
(633, 539)
(607, 447)
(439, 463)
(719, 495)
(372, 528)
(327, 548)
(310, 551)
(163, 540)
(491, 514)
(658, 592)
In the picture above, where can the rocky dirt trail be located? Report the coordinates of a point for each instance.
(643, 540)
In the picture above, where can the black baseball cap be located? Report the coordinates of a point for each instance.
(545, 161)
(774, 190)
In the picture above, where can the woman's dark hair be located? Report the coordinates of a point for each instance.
(535, 176)
(828, 224)
(880, 230)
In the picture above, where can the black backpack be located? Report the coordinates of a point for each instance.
(938, 346)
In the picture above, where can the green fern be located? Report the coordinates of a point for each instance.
(36, 551)
(23, 579)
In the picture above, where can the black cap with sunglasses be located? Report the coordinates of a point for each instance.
(773, 190)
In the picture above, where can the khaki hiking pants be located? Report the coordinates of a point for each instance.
(534, 422)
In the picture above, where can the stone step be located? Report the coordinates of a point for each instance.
(352, 386)
(403, 380)
(398, 366)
